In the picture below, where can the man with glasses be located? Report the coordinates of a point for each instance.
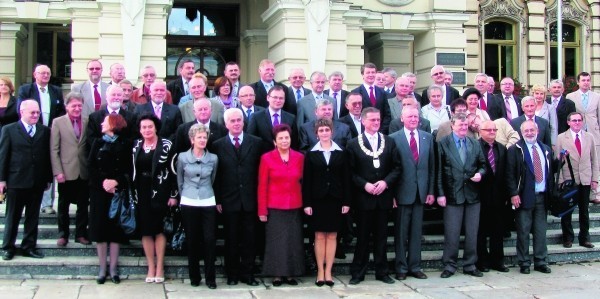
(512, 104)
(93, 90)
(142, 94)
(246, 97)
(296, 90)
(353, 102)
(437, 77)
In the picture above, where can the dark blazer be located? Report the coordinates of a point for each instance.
(454, 178)
(170, 118)
(57, 105)
(254, 110)
(347, 119)
(503, 105)
(495, 107)
(381, 103)
(564, 108)
(94, 129)
(543, 128)
(237, 173)
(290, 104)
(520, 178)
(164, 181)
(416, 178)
(453, 92)
(175, 87)
(261, 93)
(419, 99)
(182, 137)
(396, 125)
(326, 182)
(10, 114)
(25, 160)
(493, 184)
(260, 126)
(344, 94)
(308, 138)
(364, 172)
(109, 161)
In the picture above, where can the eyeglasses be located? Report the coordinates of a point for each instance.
(298, 77)
(489, 130)
(246, 95)
(576, 120)
(94, 68)
(148, 75)
(438, 74)
(356, 104)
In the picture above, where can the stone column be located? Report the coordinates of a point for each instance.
(392, 50)
(255, 49)
(13, 54)
(536, 44)
(595, 44)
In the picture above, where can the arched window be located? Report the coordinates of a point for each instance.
(571, 52)
(500, 49)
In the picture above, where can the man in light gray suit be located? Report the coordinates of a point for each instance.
(307, 104)
(308, 136)
(414, 189)
(93, 90)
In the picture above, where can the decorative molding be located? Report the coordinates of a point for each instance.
(396, 2)
(570, 11)
(502, 8)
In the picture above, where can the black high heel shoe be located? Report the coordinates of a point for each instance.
(329, 283)
(319, 283)
(101, 279)
(115, 279)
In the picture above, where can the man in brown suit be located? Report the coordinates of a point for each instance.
(69, 166)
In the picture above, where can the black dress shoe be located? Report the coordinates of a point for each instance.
(355, 280)
(290, 281)
(8, 255)
(211, 285)
(483, 269)
(277, 283)
(567, 244)
(250, 281)
(195, 283)
(329, 283)
(475, 272)
(115, 279)
(319, 283)
(232, 281)
(101, 279)
(418, 275)
(543, 269)
(446, 274)
(401, 276)
(33, 253)
(587, 244)
(501, 268)
(525, 270)
(385, 279)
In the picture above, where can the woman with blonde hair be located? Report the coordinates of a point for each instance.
(545, 110)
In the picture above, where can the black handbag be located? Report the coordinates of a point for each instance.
(563, 199)
(178, 240)
(127, 217)
(115, 205)
(169, 221)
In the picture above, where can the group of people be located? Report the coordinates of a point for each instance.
(268, 158)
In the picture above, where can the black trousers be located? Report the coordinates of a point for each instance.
(240, 248)
(200, 231)
(76, 192)
(29, 199)
(583, 202)
(370, 224)
(491, 227)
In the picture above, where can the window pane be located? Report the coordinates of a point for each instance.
(45, 53)
(570, 61)
(569, 33)
(554, 63)
(491, 61)
(499, 31)
(507, 61)
(184, 22)
(211, 61)
(63, 55)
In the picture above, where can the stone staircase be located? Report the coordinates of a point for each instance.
(80, 261)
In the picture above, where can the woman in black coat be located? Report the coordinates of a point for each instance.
(8, 109)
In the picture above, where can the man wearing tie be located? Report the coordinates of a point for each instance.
(512, 104)
(415, 189)
(246, 97)
(353, 103)
(529, 182)
(262, 123)
(390, 76)
(528, 105)
(169, 115)
(587, 103)
(581, 148)
(296, 90)
(180, 86)
(266, 71)
(49, 97)
(488, 102)
(562, 105)
(449, 93)
(93, 90)
(307, 104)
(374, 96)
(25, 172)
(232, 72)
(335, 91)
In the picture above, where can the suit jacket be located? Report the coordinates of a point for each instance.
(261, 126)
(326, 182)
(308, 138)
(68, 153)
(586, 167)
(503, 105)
(170, 118)
(495, 107)
(254, 110)
(493, 183)
(261, 93)
(182, 137)
(454, 177)
(25, 160)
(217, 109)
(164, 182)
(380, 103)
(543, 128)
(306, 109)
(451, 91)
(196, 178)
(10, 114)
(591, 115)
(363, 172)
(57, 105)
(87, 90)
(291, 103)
(279, 183)
(416, 178)
(176, 89)
(94, 130)
(343, 95)
(520, 178)
(395, 107)
(424, 125)
(563, 109)
(237, 173)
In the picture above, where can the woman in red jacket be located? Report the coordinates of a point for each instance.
(280, 206)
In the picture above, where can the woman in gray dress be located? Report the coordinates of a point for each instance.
(545, 110)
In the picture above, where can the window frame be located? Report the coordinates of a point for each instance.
(502, 43)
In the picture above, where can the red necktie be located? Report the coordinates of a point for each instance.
(537, 165)
(97, 98)
(578, 144)
(372, 97)
(413, 147)
(482, 104)
(237, 142)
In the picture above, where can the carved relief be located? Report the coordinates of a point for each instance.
(501, 8)
(570, 11)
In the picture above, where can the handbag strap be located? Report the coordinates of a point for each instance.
(570, 169)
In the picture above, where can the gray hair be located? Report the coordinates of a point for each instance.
(527, 99)
(557, 81)
(408, 75)
(317, 73)
(73, 95)
(336, 74)
(390, 71)
(323, 102)
(198, 128)
(434, 87)
(229, 113)
(449, 73)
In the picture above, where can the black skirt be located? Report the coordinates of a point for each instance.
(284, 252)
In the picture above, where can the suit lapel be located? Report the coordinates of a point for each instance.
(453, 150)
(23, 131)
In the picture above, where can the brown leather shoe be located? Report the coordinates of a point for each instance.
(62, 242)
(83, 240)
(587, 244)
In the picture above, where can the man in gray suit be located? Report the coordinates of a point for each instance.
(414, 188)
(341, 131)
(93, 90)
(307, 104)
(461, 167)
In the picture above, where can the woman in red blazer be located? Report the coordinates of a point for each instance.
(280, 207)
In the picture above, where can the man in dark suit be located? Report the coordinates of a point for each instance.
(335, 91)
(48, 97)
(461, 166)
(563, 106)
(128, 88)
(307, 104)
(246, 97)
(235, 190)
(169, 115)
(374, 96)
(116, 73)
(415, 189)
(296, 90)
(390, 76)
(396, 124)
(261, 124)
(353, 102)
(528, 105)
(232, 72)
(493, 199)
(202, 113)
(308, 137)
(374, 162)
(180, 87)
(437, 77)
(412, 80)
(529, 181)
(489, 102)
(511, 107)
(266, 71)
(25, 170)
